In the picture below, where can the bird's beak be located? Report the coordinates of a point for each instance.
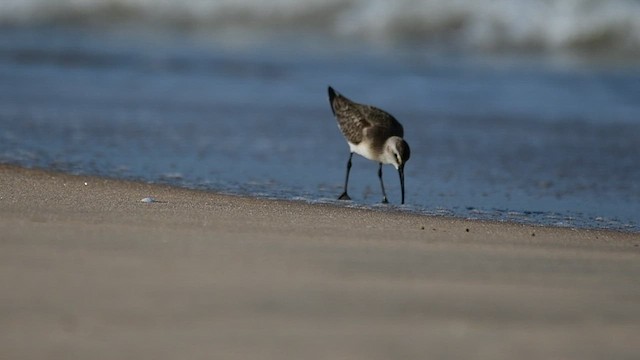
(401, 173)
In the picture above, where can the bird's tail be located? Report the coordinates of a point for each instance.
(332, 95)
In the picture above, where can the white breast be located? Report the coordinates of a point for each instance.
(365, 150)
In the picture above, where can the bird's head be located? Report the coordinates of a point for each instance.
(397, 152)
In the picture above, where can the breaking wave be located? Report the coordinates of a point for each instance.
(489, 25)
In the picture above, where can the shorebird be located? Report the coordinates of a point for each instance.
(372, 133)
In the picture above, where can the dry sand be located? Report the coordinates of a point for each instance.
(87, 271)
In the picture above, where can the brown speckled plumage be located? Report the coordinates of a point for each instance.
(358, 121)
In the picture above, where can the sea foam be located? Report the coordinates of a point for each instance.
(489, 25)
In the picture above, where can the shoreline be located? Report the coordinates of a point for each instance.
(356, 207)
(90, 271)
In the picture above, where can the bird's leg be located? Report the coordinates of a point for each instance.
(344, 195)
(384, 194)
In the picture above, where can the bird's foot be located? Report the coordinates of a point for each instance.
(344, 196)
(384, 200)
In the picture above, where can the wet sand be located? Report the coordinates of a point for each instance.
(88, 271)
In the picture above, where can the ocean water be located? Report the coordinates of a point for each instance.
(530, 119)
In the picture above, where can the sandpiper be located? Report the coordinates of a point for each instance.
(372, 133)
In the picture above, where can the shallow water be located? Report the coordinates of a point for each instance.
(492, 137)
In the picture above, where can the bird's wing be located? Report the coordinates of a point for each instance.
(351, 117)
(382, 120)
(356, 119)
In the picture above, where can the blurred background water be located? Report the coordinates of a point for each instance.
(521, 110)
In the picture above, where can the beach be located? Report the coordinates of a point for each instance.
(88, 270)
(169, 174)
